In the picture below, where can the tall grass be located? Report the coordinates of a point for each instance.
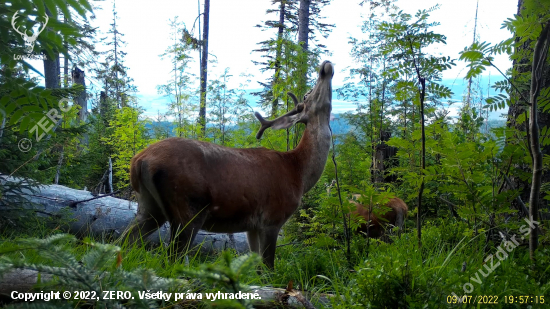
(395, 275)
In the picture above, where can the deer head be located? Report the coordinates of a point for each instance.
(198, 185)
(29, 40)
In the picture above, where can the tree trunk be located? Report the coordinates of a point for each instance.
(303, 23)
(78, 78)
(51, 72)
(51, 67)
(280, 31)
(422, 96)
(103, 105)
(470, 79)
(518, 108)
(66, 61)
(116, 64)
(423, 158)
(59, 165)
(204, 68)
(382, 159)
(110, 175)
(539, 59)
(303, 36)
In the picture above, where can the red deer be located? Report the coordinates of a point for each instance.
(198, 185)
(395, 216)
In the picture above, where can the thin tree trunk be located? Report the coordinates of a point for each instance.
(422, 93)
(204, 68)
(423, 157)
(539, 59)
(115, 32)
(66, 62)
(110, 175)
(280, 31)
(372, 148)
(382, 102)
(303, 36)
(470, 79)
(59, 164)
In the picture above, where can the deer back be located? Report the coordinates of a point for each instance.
(395, 216)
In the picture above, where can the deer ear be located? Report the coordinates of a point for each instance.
(298, 114)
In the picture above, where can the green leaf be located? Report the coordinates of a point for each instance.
(86, 4)
(76, 5)
(24, 124)
(62, 5)
(51, 7)
(39, 4)
(16, 116)
(4, 101)
(10, 108)
(32, 108)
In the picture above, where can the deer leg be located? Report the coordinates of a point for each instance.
(253, 241)
(183, 231)
(148, 219)
(268, 244)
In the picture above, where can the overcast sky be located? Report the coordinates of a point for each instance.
(233, 35)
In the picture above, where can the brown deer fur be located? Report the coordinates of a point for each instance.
(379, 223)
(198, 185)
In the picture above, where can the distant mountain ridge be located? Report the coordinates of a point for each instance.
(338, 124)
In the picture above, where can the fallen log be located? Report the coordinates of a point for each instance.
(23, 280)
(103, 216)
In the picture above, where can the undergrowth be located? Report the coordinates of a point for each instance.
(393, 275)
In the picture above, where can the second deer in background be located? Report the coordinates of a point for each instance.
(380, 222)
(377, 220)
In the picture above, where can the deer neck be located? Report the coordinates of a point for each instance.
(312, 152)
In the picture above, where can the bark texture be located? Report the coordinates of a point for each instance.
(51, 72)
